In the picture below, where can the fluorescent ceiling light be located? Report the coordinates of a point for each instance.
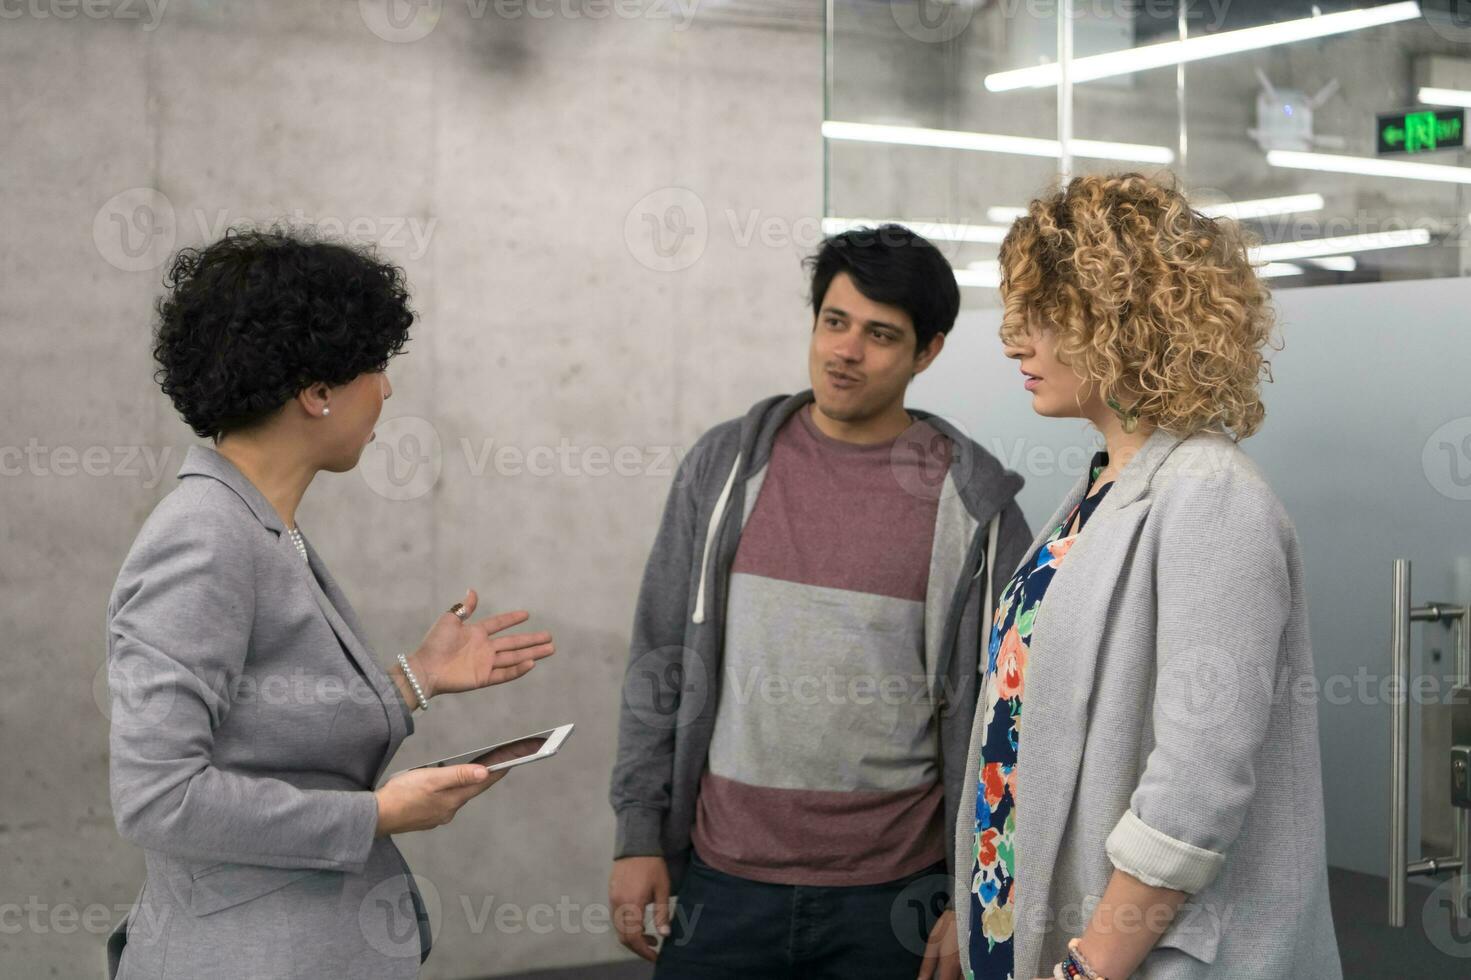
(939, 231)
(1237, 210)
(952, 139)
(983, 274)
(1264, 206)
(976, 280)
(1270, 260)
(1004, 215)
(1369, 166)
(1149, 56)
(1429, 95)
(1314, 247)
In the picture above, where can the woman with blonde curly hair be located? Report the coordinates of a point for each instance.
(1163, 815)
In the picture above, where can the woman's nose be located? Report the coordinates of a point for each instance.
(387, 388)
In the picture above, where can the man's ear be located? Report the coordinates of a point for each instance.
(926, 357)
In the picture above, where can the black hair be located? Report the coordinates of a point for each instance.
(891, 264)
(249, 321)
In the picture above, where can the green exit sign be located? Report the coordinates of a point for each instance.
(1423, 131)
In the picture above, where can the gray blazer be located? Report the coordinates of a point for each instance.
(250, 723)
(1166, 728)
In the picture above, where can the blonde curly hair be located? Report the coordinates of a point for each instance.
(1144, 294)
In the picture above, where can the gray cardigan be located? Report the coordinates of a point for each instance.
(250, 723)
(1165, 730)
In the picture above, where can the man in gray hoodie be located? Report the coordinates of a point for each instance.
(803, 670)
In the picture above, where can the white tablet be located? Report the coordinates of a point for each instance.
(516, 752)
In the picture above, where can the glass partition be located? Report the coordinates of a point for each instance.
(1335, 131)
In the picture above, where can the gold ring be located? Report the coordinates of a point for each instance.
(460, 611)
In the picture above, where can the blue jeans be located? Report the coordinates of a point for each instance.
(729, 927)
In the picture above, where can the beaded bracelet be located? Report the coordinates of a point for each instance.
(1068, 969)
(1076, 966)
(403, 664)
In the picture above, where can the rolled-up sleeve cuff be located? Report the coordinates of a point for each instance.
(639, 831)
(1158, 859)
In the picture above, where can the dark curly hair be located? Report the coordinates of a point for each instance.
(893, 265)
(252, 319)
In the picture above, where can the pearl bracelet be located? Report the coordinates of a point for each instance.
(403, 664)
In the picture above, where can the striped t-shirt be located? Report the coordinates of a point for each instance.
(823, 766)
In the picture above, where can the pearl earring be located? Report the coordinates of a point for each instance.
(326, 411)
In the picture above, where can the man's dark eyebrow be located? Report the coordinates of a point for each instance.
(870, 323)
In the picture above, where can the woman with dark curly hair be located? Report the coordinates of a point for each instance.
(1160, 814)
(250, 719)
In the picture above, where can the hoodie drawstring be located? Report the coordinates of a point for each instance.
(720, 505)
(989, 566)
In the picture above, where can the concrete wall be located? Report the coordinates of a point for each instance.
(507, 161)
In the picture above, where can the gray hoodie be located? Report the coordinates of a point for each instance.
(671, 687)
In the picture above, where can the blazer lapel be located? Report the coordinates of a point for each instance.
(207, 461)
(1061, 662)
(338, 610)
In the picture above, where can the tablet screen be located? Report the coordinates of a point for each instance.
(504, 755)
(511, 751)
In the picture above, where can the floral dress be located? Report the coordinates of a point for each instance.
(993, 882)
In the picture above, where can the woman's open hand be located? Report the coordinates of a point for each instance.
(466, 656)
